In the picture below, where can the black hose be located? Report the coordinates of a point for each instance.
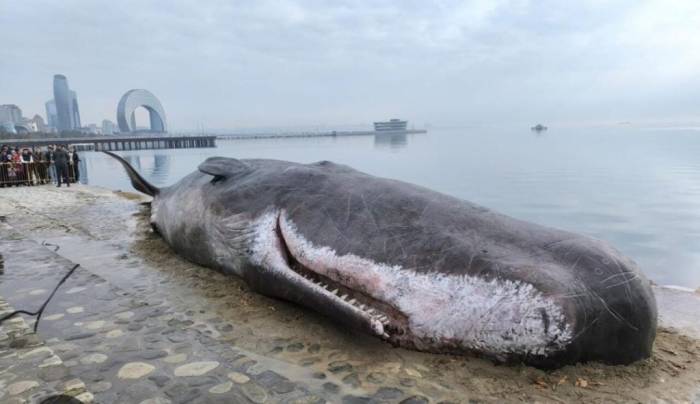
(45, 244)
(39, 312)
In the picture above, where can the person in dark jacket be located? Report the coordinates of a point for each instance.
(73, 163)
(28, 166)
(4, 157)
(49, 161)
(60, 159)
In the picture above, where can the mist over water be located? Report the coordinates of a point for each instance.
(636, 188)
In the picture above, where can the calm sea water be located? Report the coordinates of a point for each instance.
(636, 188)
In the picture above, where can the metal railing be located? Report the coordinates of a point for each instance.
(35, 173)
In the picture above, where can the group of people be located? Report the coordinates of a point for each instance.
(35, 166)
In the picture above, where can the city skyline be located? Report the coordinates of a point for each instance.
(64, 115)
(301, 63)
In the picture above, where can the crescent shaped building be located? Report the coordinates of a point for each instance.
(140, 98)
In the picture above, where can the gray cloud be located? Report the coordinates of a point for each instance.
(249, 63)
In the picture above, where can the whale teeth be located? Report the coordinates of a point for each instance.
(352, 301)
(385, 335)
(362, 306)
(334, 291)
(344, 297)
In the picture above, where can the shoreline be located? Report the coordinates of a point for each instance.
(291, 353)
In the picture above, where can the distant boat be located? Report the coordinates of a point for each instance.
(538, 128)
(391, 125)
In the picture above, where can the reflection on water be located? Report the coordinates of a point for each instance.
(161, 165)
(638, 189)
(390, 140)
(155, 167)
(135, 161)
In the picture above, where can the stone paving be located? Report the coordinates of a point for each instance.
(29, 370)
(129, 350)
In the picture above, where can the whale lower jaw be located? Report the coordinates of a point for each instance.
(431, 312)
(394, 324)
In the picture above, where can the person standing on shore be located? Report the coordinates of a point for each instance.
(49, 159)
(61, 163)
(28, 166)
(73, 161)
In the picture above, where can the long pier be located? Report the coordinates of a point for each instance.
(239, 136)
(112, 143)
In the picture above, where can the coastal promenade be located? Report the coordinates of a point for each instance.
(112, 143)
(136, 322)
(333, 133)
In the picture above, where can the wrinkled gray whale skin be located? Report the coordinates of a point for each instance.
(414, 267)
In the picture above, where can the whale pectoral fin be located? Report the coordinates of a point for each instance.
(137, 181)
(222, 167)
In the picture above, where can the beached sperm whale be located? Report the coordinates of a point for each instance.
(412, 266)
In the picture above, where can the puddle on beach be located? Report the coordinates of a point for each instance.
(109, 235)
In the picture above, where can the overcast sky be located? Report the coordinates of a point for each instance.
(236, 64)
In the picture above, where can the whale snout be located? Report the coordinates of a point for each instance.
(611, 304)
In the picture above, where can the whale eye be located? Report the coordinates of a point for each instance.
(217, 178)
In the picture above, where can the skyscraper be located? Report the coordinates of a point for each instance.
(51, 117)
(66, 101)
(74, 110)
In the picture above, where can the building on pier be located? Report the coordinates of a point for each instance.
(390, 125)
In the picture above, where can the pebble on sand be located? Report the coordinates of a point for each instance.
(75, 384)
(413, 373)
(86, 397)
(114, 333)
(21, 387)
(196, 368)
(156, 400)
(93, 358)
(53, 360)
(135, 370)
(177, 358)
(94, 325)
(239, 378)
(124, 315)
(36, 351)
(221, 388)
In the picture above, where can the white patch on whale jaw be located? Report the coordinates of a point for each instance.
(495, 317)
(268, 251)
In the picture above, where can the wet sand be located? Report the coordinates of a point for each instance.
(108, 234)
